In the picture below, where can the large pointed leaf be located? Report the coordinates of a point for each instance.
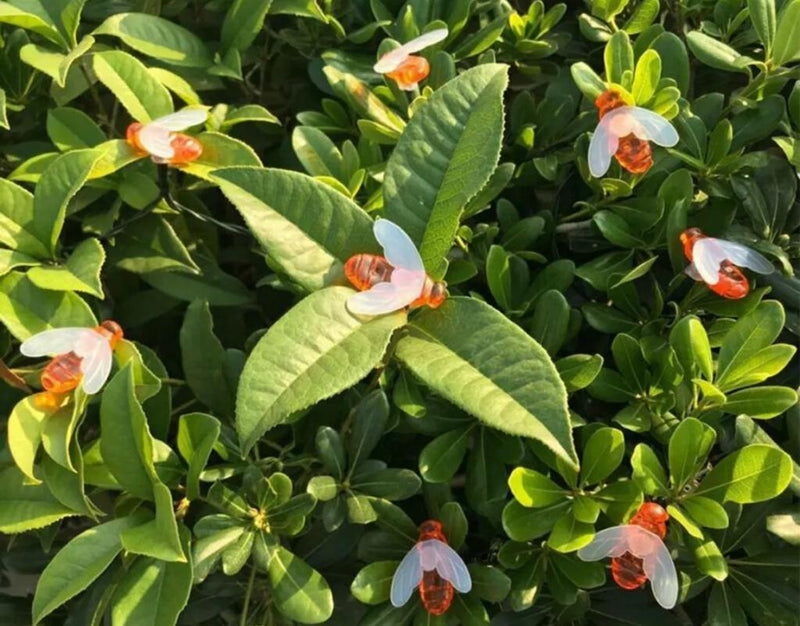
(314, 351)
(475, 357)
(445, 156)
(77, 565)
(307, 227)
(24, 506)
(17, 227)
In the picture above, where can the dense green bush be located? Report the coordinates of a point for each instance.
(261, 456)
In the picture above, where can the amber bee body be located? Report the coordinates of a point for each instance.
(633, 154)
(186, 148)
(364, 271)
(435, 592)
(628, 570)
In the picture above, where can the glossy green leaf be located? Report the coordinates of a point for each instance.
(751, 474)
(602, 455)
(197, 434)
(80, 272)
(787, 37)
(142, 95)
(24, 506)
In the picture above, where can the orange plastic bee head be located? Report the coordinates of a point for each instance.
(187, 149)
(608, 101)
(410, 71)
(132, 137)
(654, 512)
(112, 331)
(689, 237)
(431, 529)
(438, 294)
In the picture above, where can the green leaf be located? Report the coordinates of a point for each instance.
(674, 59)
(723, 607)
(208, 549)
(787, 37)
(323, 488)
(24, 506)
(35, 15)
(157, 538)
(550, 321)
(243, 21)
(646, 77)
(462, 125)
(318, 154)
(689, 446)
(489, 583)
(751, 474)
(648, 471)
(77, 565)
(151, 245)
(618, 57)
(602, 455)
(80, 272)
(373, 582)
(751, 333)
(298, 590)
(476, 358)
(221, 151)
(441, 458)
(125, 440)
(762, 14)
(642, 17)
(152, 591)
(715, 54)
(630, 361)
(26, 310)
(587, 80)
(359, 96)
(310, 246)
(761, 402)
(58, 185)
(314, 351)
(706, 512)
(11, 259)
(71, 129)
(532, 489)
(579, 370)
(142, 95)
(204, 360)
(569, 534)
(689, 340)
(197, 434)
(158, 38)
(3, 112)
(708, 558)
(25, 424)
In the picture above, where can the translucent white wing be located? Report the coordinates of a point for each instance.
(391, 60)
(691, 272)
(186, 118)
(661, 573)
(649, 547)
(608, 542)
(653, 127)
(54, 342)
(744, 257)
(602, 146)
(404, 288)
(157, 140)
(406, 577)
(97, 356)
(438, 555)
(397, 246)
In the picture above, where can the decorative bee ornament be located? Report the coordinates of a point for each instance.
(403, 67)
(434, 568)
(81, 356)
(625, 132)
(392, 282)
(638, 554)
(163, 141)
(715, 262)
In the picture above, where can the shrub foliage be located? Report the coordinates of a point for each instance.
(261, 456)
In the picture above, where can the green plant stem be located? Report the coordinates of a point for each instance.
(247, 595)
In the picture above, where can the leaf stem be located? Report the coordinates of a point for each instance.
(248, 593)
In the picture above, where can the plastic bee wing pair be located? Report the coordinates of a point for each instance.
(656, 560)
(426, 556)
(621, 122)
(408, 276)
(156, 137)
(91, 345)
(708, 254)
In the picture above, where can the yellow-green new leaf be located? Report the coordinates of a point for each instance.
(81, 272)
